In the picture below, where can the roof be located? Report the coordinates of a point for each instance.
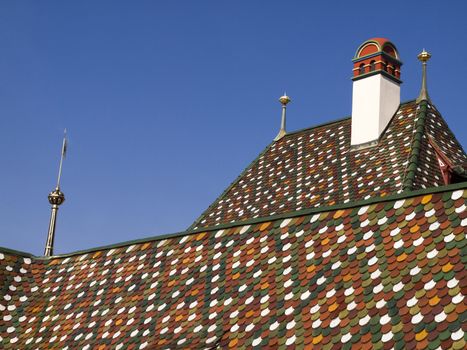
(317, 167)
(383, 273)
(427, 171)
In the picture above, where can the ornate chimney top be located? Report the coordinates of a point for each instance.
(377, 55)
(376, 90)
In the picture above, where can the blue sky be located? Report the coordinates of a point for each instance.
(167, 102)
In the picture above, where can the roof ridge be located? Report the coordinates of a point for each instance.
(205, 212)
(341, 119)
(318, 126)
(290, 214)
(232, 184)
(252, 163)
(414, 155)
(16, 252)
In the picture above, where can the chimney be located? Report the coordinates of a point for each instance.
(376, 90)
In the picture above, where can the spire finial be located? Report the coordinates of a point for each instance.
(423, 57)
(284, 99)
(56, 198)
(62, 156)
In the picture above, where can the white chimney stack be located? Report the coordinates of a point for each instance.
(376, 90)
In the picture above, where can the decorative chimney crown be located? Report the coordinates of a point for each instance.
(375, 91)
(377, 55)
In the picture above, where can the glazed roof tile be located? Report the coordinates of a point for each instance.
(385, 273)
(428, 172)
(317, 167)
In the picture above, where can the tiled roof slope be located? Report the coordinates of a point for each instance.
(428, 173)
(387, 273)
(316, 167)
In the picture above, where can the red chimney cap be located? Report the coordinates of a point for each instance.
(375, 45)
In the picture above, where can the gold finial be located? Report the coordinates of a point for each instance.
(56, 198)
(423, 57)
(284, 99)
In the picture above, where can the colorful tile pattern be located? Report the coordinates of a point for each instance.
(316, 167)
(388, 274)
(428, 173)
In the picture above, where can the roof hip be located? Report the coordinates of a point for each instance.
(414, 156)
